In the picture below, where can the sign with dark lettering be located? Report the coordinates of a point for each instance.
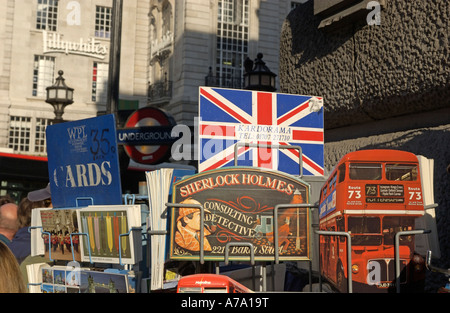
(152, 135)
(238, 205)
(384, 193)
(257, 120)
(83, 162)
(147, 135)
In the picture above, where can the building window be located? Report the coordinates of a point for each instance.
(40, 144)
(99, 82)
(103, 22)
(43, 74)
(232, 41)
(47, 15)
(22, 139)
(166, 18)
(19, 133)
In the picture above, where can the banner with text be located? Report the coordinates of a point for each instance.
(238, 205)
(83, 162)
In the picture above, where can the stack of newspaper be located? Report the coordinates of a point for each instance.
(158, 183)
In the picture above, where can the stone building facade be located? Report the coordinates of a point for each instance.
(167, 48)
(193, 39)
(39, 38)
(385, 85)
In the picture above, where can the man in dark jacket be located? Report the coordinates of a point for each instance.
(8, 222)
(20, 245)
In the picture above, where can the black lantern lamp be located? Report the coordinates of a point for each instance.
(259, 77)
(59, 96)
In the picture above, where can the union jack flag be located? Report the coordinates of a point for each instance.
(229, 116)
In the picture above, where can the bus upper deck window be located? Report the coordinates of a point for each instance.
(365, 171)
(333, 183)
(401, 172)
(341, 171)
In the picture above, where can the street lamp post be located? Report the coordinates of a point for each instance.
(59, 96)
(258, 77)
(112, 102)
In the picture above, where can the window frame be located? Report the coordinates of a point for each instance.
(43, 20)
(103, 24)
(42, 78)
(26, 134)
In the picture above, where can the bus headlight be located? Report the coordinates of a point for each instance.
(355, 268)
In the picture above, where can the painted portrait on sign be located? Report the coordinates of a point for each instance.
(238, 204)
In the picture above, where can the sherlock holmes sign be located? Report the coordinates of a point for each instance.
(239, 206)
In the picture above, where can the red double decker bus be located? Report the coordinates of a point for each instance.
(210, 283)
(372, 195)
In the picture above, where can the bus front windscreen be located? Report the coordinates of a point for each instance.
(368, 230)
(365, 230)
(395, 224)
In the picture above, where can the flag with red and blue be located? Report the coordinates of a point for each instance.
(256, 123)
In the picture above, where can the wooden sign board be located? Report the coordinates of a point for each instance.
(238, 205)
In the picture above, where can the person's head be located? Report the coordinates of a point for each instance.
(24, 211)
(8, 220)
(43, 194)
(11, 280)
(6, 199)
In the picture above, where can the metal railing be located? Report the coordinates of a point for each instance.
(202, 228)
(160, 91)
(269, 146)
(397, 251)
(349, 253)
(224, 81)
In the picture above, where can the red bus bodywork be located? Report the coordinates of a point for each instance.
(210, 283)
(371, 194)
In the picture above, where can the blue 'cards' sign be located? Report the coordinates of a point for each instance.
(83, 162)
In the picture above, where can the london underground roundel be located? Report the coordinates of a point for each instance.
(148, 118)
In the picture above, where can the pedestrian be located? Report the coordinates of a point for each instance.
(11, 279)
(8, 222)
(41, 195)
(6, 199)
(20, 245)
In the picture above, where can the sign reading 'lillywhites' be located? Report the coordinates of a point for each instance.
(83, 162)
(239, 204)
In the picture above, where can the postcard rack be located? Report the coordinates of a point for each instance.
(131, 199)
(132, 229)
